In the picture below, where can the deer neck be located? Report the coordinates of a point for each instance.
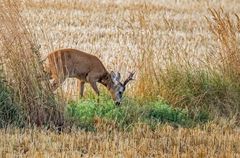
(107, 81)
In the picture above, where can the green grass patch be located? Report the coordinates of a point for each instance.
(197, 90)
(160, 112)
(84, 112)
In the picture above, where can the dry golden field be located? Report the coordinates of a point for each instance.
(166, 141)
(148, 36)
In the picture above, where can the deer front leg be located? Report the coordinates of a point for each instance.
(95, 88)
(81, 88)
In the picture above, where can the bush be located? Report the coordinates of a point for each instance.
(10, 112)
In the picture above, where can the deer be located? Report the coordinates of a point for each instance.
(87, 68)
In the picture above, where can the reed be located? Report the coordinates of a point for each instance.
(22, 67)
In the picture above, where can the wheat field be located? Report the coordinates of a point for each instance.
(147, 36)
(166, 141)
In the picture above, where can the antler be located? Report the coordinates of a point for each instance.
(130, 77)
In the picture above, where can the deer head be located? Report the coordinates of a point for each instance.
(118, 88)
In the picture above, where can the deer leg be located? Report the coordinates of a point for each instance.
(95, 88)
(81, 88)
(56, 83)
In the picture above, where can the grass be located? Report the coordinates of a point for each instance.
(166, 141)
(209, 82)
(22, 68)
(87, 113)
(203, 90)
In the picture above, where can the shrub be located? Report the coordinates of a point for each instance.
(163, 113)
(10, 112)
(82, 113)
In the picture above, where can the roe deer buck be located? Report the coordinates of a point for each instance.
(73, 63)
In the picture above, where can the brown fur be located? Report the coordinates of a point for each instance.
(72, 63)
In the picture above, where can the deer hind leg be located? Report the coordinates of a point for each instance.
(56, 83)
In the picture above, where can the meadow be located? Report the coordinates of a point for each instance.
(184, 101)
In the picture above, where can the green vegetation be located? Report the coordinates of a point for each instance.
(203, 90)
(84, 113)
(10, 112)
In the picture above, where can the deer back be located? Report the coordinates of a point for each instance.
(73, 63)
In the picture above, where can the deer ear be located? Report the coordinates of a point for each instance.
(113, 75)
(118, 76)
(114, 78)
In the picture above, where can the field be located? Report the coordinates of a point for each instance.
(140, 142)
(184, 101)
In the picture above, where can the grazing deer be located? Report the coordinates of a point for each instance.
(72, 63)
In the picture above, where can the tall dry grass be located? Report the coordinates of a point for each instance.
(208, 82)
(22, 67)
(225, 28)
